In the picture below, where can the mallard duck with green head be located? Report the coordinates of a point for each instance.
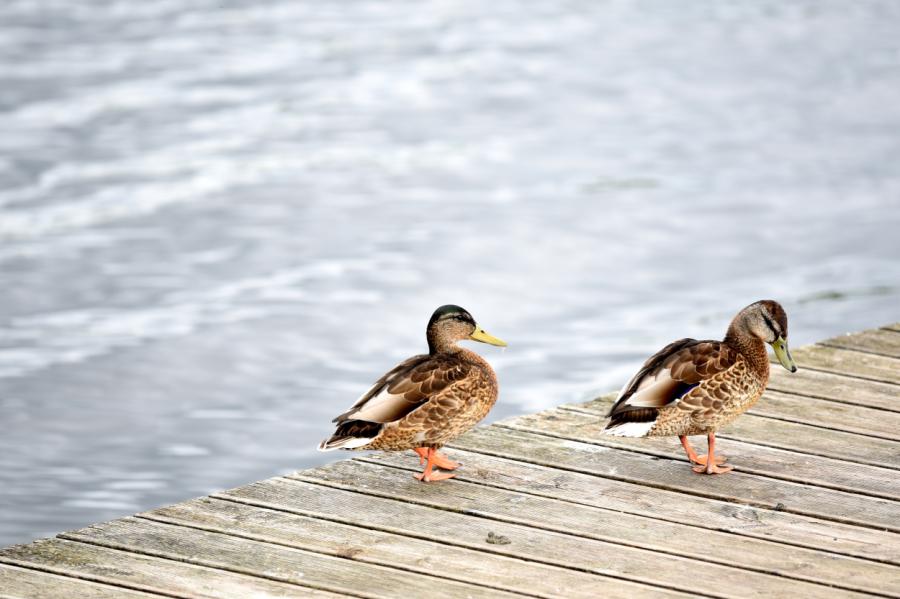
(426, 401)
(695, 387)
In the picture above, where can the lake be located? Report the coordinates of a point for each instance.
(221, 221)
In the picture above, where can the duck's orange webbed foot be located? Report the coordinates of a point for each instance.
(439, 460)
(431, 460)
(433, 476)
(702, 459)
(443, 462)
(710, 463)
(708, 469)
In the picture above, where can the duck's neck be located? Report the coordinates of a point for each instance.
(752, 348)
(440, 344)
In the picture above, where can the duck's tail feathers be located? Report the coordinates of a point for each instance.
(629, 429)
(343, 443)
(631, 421)
(352, 434)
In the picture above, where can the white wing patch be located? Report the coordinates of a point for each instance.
(380, 408)
(630, 429)
(345, 443)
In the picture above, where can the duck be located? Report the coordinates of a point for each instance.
(693, 387)
(427, 400)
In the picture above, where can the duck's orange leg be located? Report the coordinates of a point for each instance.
(427, 476)
(693, 457)
(439, 460)
(711, 466)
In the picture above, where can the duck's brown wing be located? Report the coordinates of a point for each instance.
(406, 387)
(667, 376)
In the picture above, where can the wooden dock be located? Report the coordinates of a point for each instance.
(544, 506)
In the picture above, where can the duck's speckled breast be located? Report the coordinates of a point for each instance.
(714, 403)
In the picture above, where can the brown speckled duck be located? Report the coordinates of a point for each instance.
(427, 400)
(695, 387)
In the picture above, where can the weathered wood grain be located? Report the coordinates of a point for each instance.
(657, 532)
(398, 551)
(848, 362)
(141, 572)
(674, 475)
(435, 524)
(783, 434)
(670, 506)
(748, 458)
(25, 583)
(878, 341)
(836, 387)
(830, 414)
(536, 527)
(549, 514)
(265, 560)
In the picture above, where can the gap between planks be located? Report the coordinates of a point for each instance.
(633, 466)
(829, 415)
(557, 481)
(763, 430)
(848, 362)
(401, 551)
(581, 553)
(447, 527)
(701, 513)
(887, 401)
(585, 525)
(270, 561)
(137, 570)
(755, 460)
(880, 342)
(25, 582)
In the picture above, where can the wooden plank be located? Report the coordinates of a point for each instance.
(652, 532)
(151, 574)
(829, 414)
(747, 458)
(703, 573)
(802, 438)
(670, 506)
(848, 362)
(836, 387)
(264, 560)
(674, 475)
(24, 583)
(443, 527)
(877, 341)
(389, 549)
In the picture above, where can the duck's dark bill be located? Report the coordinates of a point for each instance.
(784, 354)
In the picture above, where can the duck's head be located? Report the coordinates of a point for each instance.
(450, 324)
(766, 320)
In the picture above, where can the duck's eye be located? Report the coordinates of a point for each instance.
(771, 325)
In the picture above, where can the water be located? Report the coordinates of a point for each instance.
(220, 221)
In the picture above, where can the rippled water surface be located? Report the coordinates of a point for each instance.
(220, 221)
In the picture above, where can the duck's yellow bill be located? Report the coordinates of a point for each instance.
(784, 354)
(480, 335)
